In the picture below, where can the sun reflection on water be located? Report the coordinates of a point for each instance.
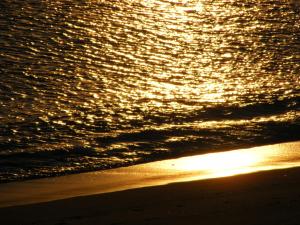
(222, 164)
(234, 162)
(139, 76)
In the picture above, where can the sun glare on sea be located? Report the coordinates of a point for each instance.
(188, 6)
(175, 5)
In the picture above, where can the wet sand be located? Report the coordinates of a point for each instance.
(199, 193)
(199, 167)
(270, 197)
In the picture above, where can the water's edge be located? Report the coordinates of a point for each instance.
(207, 166)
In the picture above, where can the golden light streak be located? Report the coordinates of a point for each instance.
(234, 162)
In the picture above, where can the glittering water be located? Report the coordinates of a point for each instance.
(95, 84)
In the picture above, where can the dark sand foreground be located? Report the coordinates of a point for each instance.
(263, 198)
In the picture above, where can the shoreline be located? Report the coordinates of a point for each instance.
(268, 197)
(185, 169)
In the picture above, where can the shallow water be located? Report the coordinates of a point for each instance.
(93, 84)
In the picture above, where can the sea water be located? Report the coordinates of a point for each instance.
(94, 84)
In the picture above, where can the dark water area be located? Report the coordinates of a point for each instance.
(93, 84)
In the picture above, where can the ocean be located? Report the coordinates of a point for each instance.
(92, 84)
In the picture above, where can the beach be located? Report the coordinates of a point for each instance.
(271, 197)
(264, 195)
(149, 112)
